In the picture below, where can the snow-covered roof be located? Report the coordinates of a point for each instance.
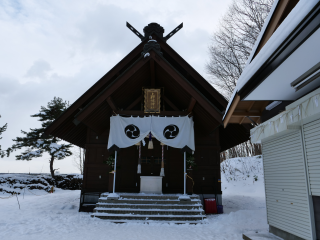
(298, 13)
(265, 25)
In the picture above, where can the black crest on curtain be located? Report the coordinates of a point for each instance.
(170, 131)
(132, 131)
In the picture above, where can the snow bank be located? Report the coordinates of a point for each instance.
(243, 176)
(16, 183)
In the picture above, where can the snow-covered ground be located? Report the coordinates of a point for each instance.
(55, 216)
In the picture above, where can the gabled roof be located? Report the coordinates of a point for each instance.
(180, 81)
(267, 54)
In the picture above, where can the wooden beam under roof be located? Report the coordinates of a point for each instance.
(264, 105)
(134, 103)
(152, 72)
(246, 113)
(239, 110)
(248, 109)
(112, 104)
(170, 103)
(191, 104)
(236, 120)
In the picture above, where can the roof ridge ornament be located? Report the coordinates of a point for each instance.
(151, 44)
(153, 28)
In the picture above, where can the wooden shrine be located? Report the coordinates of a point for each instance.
(152, 79)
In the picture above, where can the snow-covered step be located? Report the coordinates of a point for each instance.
(119, 217)
(157, 221)
(149, 201)
(149, 206)
(150, 196)
(148, 211)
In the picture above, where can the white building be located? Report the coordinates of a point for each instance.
(279, 92)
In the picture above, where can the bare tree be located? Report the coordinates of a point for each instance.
(232, 43)
(246, 149)
(79, 158)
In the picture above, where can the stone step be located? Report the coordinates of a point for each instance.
(149, 201)
(168, 218)
(150, 196)
(148, 211)
(149, 206)
(155, 221)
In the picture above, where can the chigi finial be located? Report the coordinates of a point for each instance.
(153, 28)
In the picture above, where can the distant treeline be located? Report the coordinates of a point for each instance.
(245, 149)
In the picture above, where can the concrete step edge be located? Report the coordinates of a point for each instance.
(146, 216)
(152, 204)
(150, 200)
(151, 195)
(148, 210)
(204, 221)
(148, 205)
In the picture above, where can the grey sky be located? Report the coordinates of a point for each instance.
(61, 48)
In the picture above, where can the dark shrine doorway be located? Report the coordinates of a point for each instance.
(151, 159)
(151, 162)
(128, 180)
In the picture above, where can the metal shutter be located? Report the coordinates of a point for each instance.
(286, 186)
(312, 145)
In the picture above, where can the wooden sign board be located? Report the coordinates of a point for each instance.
(152, 100)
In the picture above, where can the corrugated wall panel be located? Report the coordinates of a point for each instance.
(296, 211)
(278, 195)
(312, 143)
(292, 167)
(286, 186)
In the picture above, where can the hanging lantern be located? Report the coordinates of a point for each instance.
(162, 162)
(150, 145)
(139, 160)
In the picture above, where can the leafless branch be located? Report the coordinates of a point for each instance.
(232, 43)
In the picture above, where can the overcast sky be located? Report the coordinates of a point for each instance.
(61, 48)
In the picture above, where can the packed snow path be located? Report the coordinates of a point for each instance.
(55, 216)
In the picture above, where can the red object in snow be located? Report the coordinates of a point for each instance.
(210, 205)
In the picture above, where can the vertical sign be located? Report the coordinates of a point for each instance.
(152, 100)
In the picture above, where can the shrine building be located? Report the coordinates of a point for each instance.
(151, 95)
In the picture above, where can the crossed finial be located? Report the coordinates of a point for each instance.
(153, 28)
